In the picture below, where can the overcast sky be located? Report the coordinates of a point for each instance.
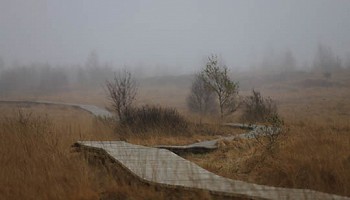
(174, 32)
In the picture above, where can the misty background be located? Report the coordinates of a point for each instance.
(57, 42)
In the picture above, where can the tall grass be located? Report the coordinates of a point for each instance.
(38, 162)
(310, 155)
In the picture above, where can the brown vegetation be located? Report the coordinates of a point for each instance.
(147, 118)
(311, 155)
(258, 108)
(37, 162)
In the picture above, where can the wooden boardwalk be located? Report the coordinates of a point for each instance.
(210, 145)
(94, 110)
(164, 168)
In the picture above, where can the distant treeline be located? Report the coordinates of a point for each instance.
(44, 78)
(324, 59)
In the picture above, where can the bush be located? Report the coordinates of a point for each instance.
(26, 123)
(148, 118)
(202, 99)
(258, 108)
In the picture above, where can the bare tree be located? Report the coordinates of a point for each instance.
(122, 91)
(201, 99)
(216, 78)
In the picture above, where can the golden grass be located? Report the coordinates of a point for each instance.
(36, 162)
(310, 155)
(314, 153)
(196, 133)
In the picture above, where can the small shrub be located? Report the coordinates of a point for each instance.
(267, 143)
(26, 123)
(271, 134)
(148, 118)
(258, 108)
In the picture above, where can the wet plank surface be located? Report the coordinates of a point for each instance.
(160, 166)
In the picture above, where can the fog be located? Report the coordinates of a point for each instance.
(172, 35)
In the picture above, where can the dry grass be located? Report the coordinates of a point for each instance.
(315, 153)
(310, 155)
(37, 161)
(195, 133)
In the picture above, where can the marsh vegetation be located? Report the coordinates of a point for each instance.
(312, 153)
(173, 72)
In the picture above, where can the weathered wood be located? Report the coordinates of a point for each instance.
(160, 166)
(207, 146)
(97, 111)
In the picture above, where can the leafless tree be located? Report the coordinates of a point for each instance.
(122, 91)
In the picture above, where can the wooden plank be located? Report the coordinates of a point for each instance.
(94, 110)
(160, 166)
(207, 146)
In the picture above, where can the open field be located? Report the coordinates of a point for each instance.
(164, 99)
(314, 152)
(306, 92)
(38, 161)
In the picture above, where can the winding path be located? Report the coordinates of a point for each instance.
(210, 145)
(164, 168)
(159, 166)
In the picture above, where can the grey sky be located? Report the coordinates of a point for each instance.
(174, 32)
